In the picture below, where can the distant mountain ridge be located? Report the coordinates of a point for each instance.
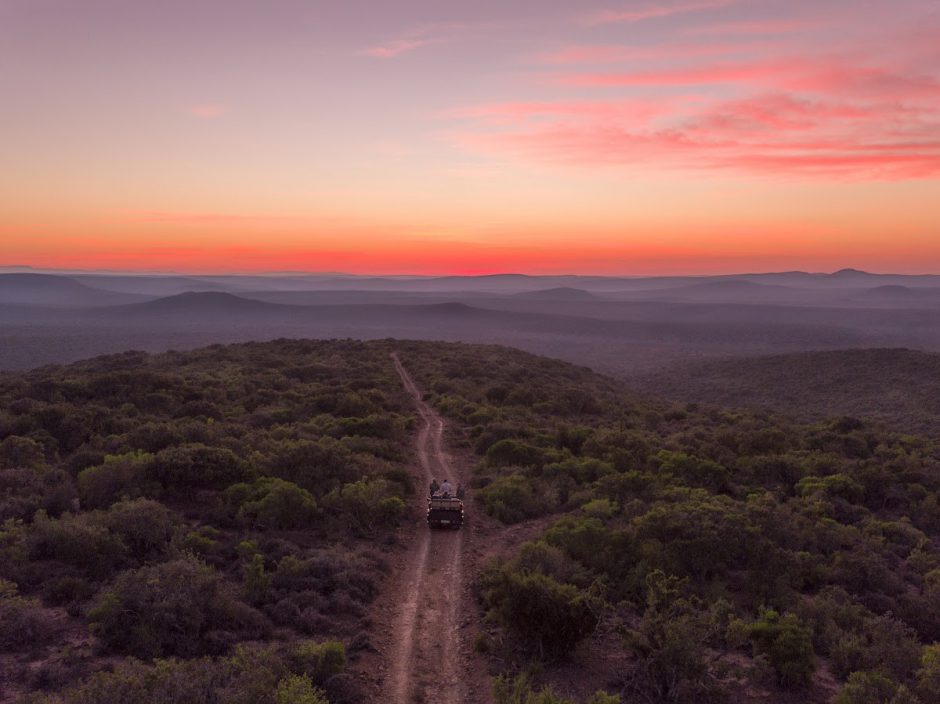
(194, 302)
(493, 284)
(54, 290)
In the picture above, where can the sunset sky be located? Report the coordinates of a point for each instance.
(435, 136)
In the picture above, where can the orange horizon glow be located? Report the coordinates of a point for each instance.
(616, 138)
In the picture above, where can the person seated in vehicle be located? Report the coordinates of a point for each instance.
(447, 489)
(460, 491)
(435, 487)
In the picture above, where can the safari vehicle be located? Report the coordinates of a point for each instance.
(445, 512)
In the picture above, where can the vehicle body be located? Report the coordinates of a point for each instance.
(445, 512)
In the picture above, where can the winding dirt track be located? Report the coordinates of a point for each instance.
(425, 659)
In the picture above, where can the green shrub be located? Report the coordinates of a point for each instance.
(145, 526)
(270, 502)
(672, 641)
(320, 661)
(694, 471)
(298, 689)
(928, 675)
(119, 476)
(369, 504)
(165, 609)
(520, 690)
(196, 465)
(249, 676)
(23, 622)
(787, 644)
(508, 452)
(257, 581)
(19, 452)
(868, 688)
(83, 541)
(513, 498)
(543, 613)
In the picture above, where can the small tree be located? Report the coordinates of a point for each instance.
(787, 644)
(159, 610)
(672, 640)
(548, 615)
(320, 661)
(873, 688)
(298, 689)
(270, 502)
(370, 504)
(928, 676)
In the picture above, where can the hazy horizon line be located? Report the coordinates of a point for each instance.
(27, 268)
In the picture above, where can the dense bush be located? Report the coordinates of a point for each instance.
(673, 640)
(928, 675)
(270, 502)
(519, 690)
(18, 452)
(119, 476)
(249, 676)
(550, 616)
(873, 688)
(172, 608)
(196, 465)
(513, 498)
(369, 504)
(787, 645)
(82, 541)
(145, 527)
(23, 622)
(319, 661)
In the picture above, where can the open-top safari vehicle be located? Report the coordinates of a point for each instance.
(445, 512)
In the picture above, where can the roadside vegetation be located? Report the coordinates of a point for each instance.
(194, 527)
(721, 548)
(212, 526)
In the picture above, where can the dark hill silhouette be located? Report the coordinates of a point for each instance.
(849, 273)
(895, 294)
(193, 303)
(54, 290)
(558, 293)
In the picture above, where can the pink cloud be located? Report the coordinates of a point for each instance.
(812, 115)
(749, 72)
(599, 54)
(814, 74)
(633, 111)
(595, 145)
(395, 48)
(207, 111)
(753, 27)
(627, 16)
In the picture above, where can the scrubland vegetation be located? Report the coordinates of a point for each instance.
(197, 527)
(210, 526)
(898, 387)
(723, 547)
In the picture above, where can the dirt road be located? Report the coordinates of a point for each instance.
(425, 662)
